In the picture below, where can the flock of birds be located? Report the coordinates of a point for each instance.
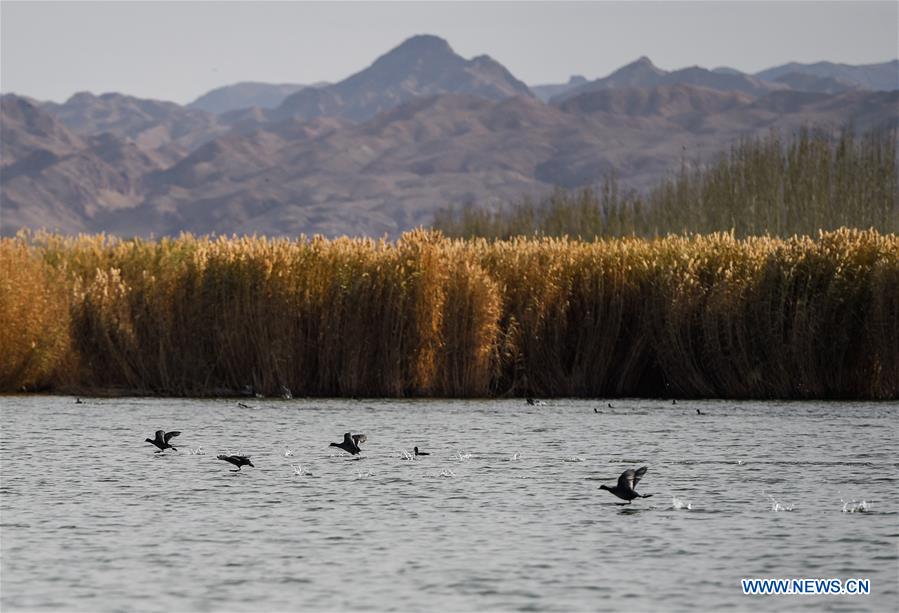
(625, 488)
(350, 444)
(162, 442)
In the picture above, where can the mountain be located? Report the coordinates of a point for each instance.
(377, 177)
(395, 170)
(53, 179)
(721, 81)
(151, 124)
(244, 95)
(27, 129)
(378, 153)
(421, 66)
(392, 172)
(877, 77)
(545, 92)
(862, 110)
(805, 82)
(639, 73)
(661, 101)
(643, 73)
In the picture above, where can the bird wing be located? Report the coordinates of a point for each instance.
(359, 438)
(630, 478)
(638, 474)
(169, 435)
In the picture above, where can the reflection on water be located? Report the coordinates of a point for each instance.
(504, 514)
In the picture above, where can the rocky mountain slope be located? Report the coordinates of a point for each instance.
(643, 73)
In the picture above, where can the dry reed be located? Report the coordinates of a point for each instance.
(762, 186)
(699, 316)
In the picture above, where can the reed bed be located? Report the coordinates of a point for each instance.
(680, 316)
(811, 181)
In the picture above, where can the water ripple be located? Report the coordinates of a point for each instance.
(505, 514)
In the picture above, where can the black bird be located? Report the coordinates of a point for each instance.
(417, 452)
(162, 440)
(698, 412)
(244, 405)
(78, 401)
(610, 406)
(351, 443)
(237, 460)
(626, 484)
(595, 410)
(673, 401)
(530, 401)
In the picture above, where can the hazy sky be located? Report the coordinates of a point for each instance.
(179, 50)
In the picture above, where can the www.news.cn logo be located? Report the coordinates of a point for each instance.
(806, 586)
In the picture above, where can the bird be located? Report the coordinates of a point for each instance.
(78, 401)
(237, 460)
(417, 452)
(351, 443)
(626, 484)
(162, 440)
(673, 401)
(698, 412)
(595, 410)
(530, 401)
(610, 405)
(244, 406)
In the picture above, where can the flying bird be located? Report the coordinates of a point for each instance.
(626, 484)
(237, 460)
(351, 443)
(162, 440)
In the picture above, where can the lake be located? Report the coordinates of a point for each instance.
(505, 514)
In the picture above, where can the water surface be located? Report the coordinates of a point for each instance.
(505, 514)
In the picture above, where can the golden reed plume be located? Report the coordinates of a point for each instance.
(692, 316)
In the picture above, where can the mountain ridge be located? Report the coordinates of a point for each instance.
(643, 73)
(423, 65)
(419, 129)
